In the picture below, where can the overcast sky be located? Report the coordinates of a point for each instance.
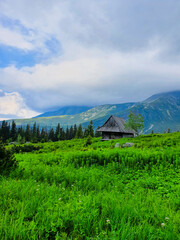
(65, 52)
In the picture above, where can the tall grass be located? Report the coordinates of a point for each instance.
(68, 191)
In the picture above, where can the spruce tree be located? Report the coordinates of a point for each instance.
(62, 134)
(38, 134)
(71, 133)
(5, 131)
(51, 135)
(67, 133)
(91, 129)
(34, 133)
(57, 133)
(28, 133)
(79, 133)
(44, 137)
(7, 160)
(13, 131)
(75, 131)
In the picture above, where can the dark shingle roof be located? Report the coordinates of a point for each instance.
(115, 124)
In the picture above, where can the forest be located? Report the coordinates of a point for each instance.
(11, 133)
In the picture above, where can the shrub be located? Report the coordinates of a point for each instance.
(25, 148)
(88, 141)
(7, 160)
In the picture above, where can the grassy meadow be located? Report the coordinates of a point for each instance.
(79, 190)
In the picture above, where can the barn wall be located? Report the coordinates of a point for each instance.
(128, 135)
(111, 135)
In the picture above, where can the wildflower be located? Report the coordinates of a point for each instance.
(166, 218)
(59, 199)
(108, 221)
(163, 224)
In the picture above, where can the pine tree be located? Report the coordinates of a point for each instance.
(62, 134)
(71, 133)
(5, 131)
(75, 131)
(91, 129)
(28, 133)
(21, 135)
(44, 137)
(38, 134)
(7, 160)
(51, 135)
(34, 133)
(57, 133)
(13, 131)
(79, 133)
(67, 133)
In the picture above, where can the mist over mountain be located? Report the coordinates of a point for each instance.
(160, 111)
(69, 110)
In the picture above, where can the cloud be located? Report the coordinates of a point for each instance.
(94, 77)
(110, 52)
(12, 105)
(14, 39)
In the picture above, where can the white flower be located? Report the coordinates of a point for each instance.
(166, 218)
(163, 224)
(108, 221)
(59, 199)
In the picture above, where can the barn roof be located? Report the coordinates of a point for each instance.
(115, 124)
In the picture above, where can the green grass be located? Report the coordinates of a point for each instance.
(66, 190)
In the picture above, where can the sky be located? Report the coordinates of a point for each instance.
(65, 52)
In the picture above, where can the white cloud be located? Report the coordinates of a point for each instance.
(14, 39)
(111, 51)
(95, 76)
(12, 104)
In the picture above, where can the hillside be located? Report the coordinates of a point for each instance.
(69, 110)
(71, 190)
(160, 112)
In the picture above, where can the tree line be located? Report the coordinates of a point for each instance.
(12, 133)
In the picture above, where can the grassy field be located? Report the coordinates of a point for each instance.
(71, 190)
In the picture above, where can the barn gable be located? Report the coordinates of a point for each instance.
(114, 128)
(115, 124)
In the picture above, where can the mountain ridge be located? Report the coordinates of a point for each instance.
(66, 110)
(160, 111)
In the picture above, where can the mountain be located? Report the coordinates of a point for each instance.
(160, 112)
(69, 110)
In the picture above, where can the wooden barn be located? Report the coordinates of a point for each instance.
(114, 128)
